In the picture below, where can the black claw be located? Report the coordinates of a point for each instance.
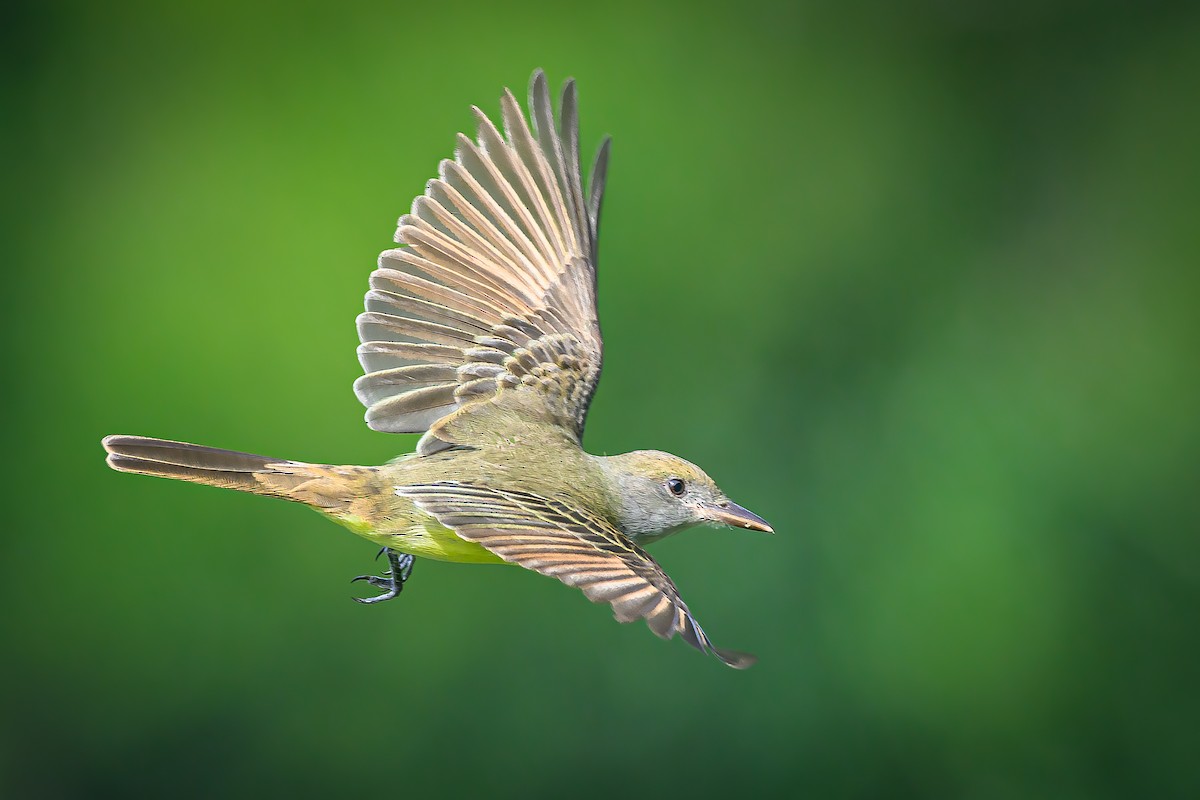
(375, 580)
(392, 581)
(388, 595)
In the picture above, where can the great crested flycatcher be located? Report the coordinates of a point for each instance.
(480, 331)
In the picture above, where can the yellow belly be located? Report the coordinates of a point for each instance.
(427, 539)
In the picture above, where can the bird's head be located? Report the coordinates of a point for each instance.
(659, 493)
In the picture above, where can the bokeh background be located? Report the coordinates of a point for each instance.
(915, 281)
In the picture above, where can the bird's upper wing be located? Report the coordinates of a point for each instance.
(555, 537)
(491, 299)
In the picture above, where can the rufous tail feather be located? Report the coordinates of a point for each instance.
(324, 487)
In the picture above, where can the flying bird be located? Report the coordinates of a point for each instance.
(480, 332)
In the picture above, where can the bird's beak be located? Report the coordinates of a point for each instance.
(735, 516)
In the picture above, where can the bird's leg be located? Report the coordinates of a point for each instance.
(392, 581)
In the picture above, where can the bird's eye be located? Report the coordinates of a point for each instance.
(676, 487)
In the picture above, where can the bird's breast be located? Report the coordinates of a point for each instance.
(418, 534)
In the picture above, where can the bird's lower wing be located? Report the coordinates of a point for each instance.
(556, 538)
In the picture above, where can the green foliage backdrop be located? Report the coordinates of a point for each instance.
(916, 282)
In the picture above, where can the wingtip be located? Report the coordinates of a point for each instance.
(539, 100)
(570, 94)
(736, 659)
(537, 81)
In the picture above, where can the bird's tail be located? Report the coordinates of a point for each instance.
(327, 488)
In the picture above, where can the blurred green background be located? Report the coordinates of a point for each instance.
(916, 282)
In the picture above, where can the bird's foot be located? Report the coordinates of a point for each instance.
(392, 580)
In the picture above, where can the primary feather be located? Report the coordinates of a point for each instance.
(493, 288)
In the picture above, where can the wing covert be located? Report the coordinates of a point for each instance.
(555, 537)
(491, 298)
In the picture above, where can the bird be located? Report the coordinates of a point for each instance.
(480, 332)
